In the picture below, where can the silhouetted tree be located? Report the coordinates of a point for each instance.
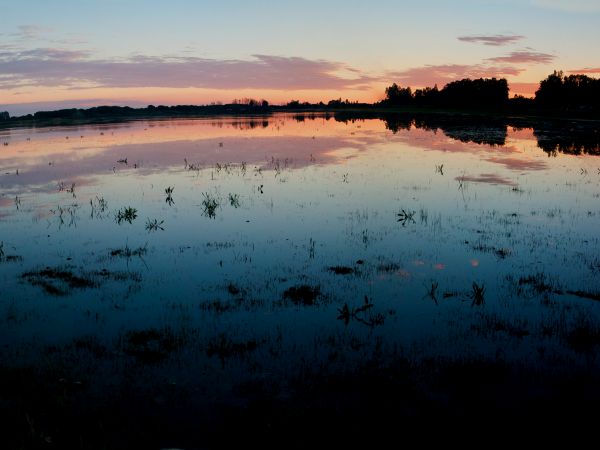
(396, 95)
(482, 92)
(427, 96)
(4, 115)
(573, 92)
(550, 92)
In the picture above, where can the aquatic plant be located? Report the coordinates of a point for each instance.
(169, 192)
(234, 200)
(210, 203)
(341, 270)
(154, 225)
(477, 294)
(405, 217)
(302, 295)
(99, 205)
(347, 314)
(58, 281)
(126, 214)
(432, 291)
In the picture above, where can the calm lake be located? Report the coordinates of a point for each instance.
(220, 260)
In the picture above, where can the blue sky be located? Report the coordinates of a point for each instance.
(139, 52)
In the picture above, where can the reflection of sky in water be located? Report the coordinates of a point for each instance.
(314, 194)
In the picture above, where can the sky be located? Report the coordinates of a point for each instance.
(131, 52)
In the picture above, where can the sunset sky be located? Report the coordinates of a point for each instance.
(85, 53)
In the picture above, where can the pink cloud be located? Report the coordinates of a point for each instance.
(521, 57)
(57, 67)
(519, 164)
(586, 70)
(489, 178)
(442, 74)
(494, 40)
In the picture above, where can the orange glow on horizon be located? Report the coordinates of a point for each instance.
(142, 96)
(183, 96)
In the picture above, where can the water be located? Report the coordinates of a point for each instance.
(452, 242)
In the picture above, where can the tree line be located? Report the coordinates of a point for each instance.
(557, 92)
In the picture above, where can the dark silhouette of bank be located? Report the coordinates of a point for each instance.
(558, 96)
(466, 93)
(553, 135)
(577, 93)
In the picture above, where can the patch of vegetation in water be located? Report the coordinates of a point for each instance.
(224, 347)
(341, 270)
(57, 281)
(151, 346)
(303, 294)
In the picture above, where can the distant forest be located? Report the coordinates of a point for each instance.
(573, 93)
(558, 95)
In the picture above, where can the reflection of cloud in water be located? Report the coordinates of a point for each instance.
(519, 164)
(489, 178)
(46, 182)
(159, 156)
(6, 201)
(429, 140)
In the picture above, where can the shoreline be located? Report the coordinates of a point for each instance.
(374, 112)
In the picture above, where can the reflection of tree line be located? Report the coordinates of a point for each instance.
(552, 136)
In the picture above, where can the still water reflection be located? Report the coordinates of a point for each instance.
(254, 244)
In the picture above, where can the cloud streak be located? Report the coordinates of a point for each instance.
(29, 32)
(74, 68)
(586, 70)
(442, 74)
(523, 57)
(491, 40)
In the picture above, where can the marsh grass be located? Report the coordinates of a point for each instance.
(488, 324)
(359, 314)
(58, 281)
(169, 193)
(234, 200)
(61, 281)
(99, 206)
(67, 215)
(127, 252)
(405, 217)
(126, 214)
(154, 225)
(477, 294)
(341, 270)
(195, 167)
(432, 292)
(210, 203)
(303, 295)
(536, 284)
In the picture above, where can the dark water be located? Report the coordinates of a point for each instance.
(217, 262)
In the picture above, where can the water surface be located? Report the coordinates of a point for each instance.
(292, 244)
